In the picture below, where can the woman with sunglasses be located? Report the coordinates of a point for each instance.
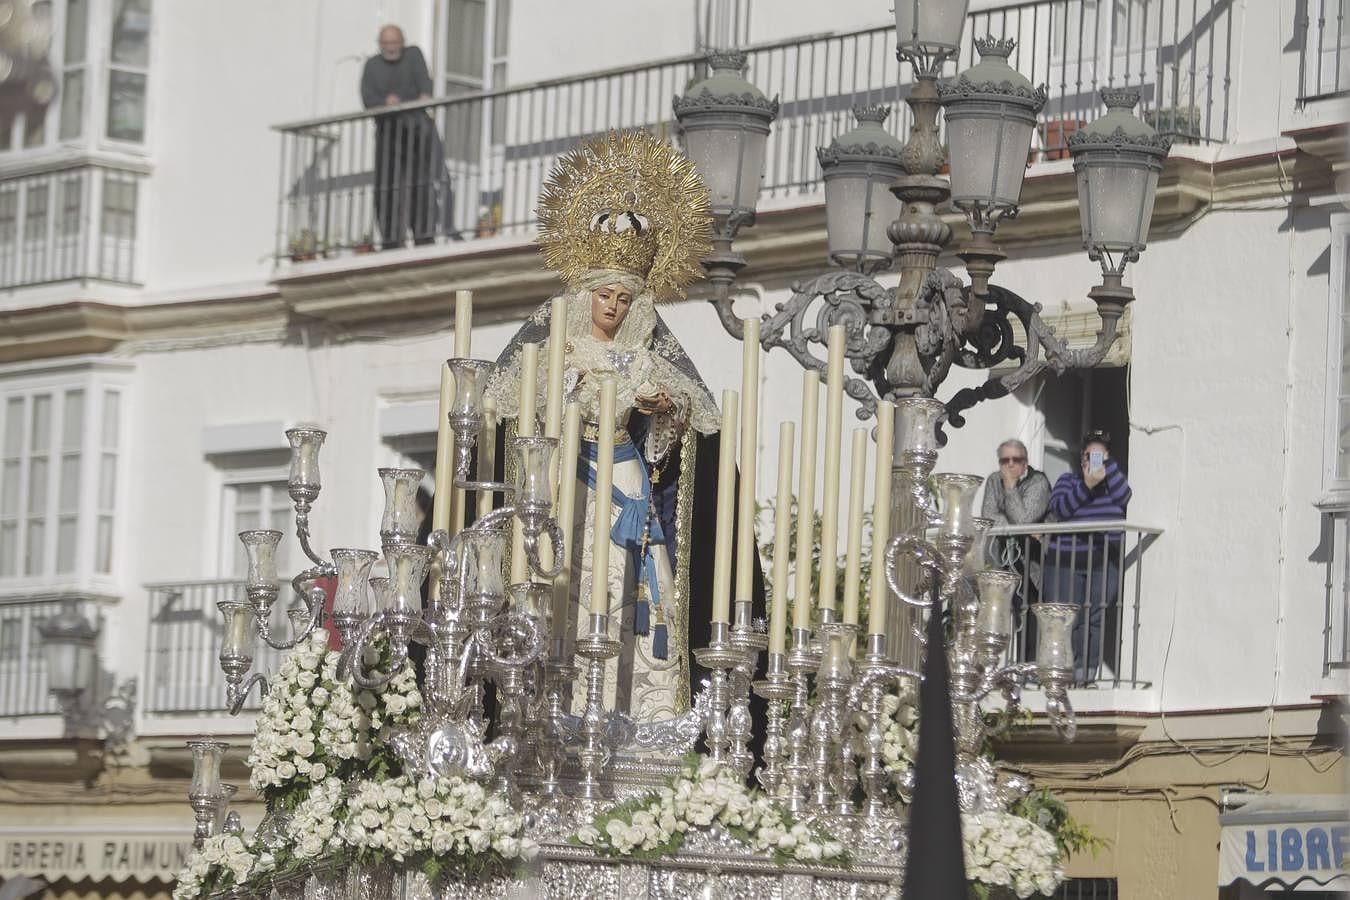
(1084, 568)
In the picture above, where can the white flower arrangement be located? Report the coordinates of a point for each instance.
(316, 825)
(312, 724)
(655, 825)
(1003, 850)
(223, 861)
(440, 823)
(900, 742)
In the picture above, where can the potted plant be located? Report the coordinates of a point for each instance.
(305, 246)
(1055, 138)
(1182, 123)
(366, 244)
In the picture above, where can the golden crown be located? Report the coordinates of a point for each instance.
(626, 202)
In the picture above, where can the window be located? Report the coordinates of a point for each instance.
(476, 47)
(255, 500)
(73, 78)
(58, 481)
(1338, 359)
(96, 84)
(128, 65)
(1342, 385)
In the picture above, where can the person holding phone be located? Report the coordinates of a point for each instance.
(1084, 568)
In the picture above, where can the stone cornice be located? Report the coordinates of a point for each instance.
(346, 296)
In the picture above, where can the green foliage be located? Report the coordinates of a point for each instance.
(1049, 812)
(764, 522)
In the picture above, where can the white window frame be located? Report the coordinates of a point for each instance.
(96, 378)
(1338, 306)
(97, 66)
(231, 478)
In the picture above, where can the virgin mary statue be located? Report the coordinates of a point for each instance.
(624, 222)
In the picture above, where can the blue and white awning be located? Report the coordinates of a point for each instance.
(1294, 841)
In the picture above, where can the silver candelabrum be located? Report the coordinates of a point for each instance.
(827, 715)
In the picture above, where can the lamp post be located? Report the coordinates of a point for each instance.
(70, 651)
(904, 341)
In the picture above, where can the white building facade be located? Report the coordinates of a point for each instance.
(184, 273)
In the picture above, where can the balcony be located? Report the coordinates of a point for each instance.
(1322, 34)
(23, 669)
(471, 167)
(69, 221)
(182, 670)
(1105, 582)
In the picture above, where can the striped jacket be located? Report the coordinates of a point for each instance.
(1073, 501)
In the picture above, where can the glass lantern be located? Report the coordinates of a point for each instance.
(353, 574)
(956, 500)
(929, 31)
(1117, 160)
(534, 486)
(990, 111)
(399, 523)
(69, 650)
(725, 120)
(994, 617)
(858, 168)
(304, 481)
(206, 759)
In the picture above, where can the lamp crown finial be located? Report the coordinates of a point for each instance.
(992, 46)
(1120, 97)
(728, 61)
(874, 112)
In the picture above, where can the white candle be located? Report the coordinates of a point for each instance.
(463, 350)
(557, 348)
(782, 536)
(806, 499)
(878, 594)
(445, 456)
(745, 513)
(487, 454)
(834, 427)
(604, 488)
(463, 323)
(526, 426)
(853, 559)
(726, 506)
(566, 512)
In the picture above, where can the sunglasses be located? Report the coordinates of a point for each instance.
(1009, 460)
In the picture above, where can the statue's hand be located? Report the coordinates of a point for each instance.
(659, 404)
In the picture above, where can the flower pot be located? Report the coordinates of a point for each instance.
(364, 248)
(303, 257)
(1055, 139)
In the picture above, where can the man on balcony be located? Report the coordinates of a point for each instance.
(406, 143)
(1083, 568)
(1018, 494)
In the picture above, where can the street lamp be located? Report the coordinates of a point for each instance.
(70, 651)
(725, 120)
(904, 341)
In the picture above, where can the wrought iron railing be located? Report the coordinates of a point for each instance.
(1322, 32)
(1097, 565)
(69, 224)
(23, 669)
(472, 166)
(182, 668)
(1335, 550)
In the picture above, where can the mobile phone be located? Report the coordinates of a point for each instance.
(1095, 459)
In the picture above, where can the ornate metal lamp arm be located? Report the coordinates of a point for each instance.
(314, 600)
(236, 693)
(302, 534)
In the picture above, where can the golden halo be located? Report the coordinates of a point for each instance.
(627, 202)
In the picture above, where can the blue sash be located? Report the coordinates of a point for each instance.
(636, 516)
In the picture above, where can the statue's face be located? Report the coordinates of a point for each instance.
(609, 307)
